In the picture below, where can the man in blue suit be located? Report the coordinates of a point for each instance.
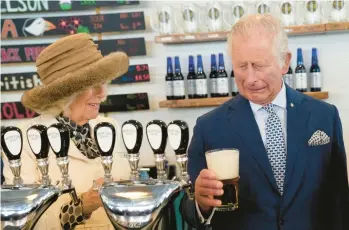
(292, 165)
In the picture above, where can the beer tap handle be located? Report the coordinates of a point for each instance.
(59, 139)
(178, 135)
(132, 136)
(39, 145)
(104, 133)
(38, 141)
(156, 131)
(12, 143)
(157, 136)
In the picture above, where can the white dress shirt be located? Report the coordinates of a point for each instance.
(261, 117)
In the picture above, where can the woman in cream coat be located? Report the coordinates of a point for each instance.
(74, 76)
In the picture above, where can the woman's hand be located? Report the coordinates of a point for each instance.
(91, 200)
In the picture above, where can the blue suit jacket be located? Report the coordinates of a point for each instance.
(316, 194)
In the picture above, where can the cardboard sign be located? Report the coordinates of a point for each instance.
(15, 110)
(25, 81)
(29, 6)
(65, 25)
(30, 52)
(125, 102)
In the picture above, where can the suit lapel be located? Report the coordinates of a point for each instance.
(297, 123)
(239, 111)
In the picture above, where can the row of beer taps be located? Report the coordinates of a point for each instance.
(17, 211)
(56, 136)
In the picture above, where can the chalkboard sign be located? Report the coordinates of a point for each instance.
(19, 81)
(131, 46)
(125, 102)
(136, 73)
(30, 52)
(25, 81)
(64, 25)
(15, 110)
(29, 6)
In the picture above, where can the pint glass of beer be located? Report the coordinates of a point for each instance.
(225, 164)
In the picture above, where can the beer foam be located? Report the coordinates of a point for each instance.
(224, 163)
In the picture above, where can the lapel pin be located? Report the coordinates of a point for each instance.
(292, 105)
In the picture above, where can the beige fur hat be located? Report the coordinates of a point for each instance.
(71, 65)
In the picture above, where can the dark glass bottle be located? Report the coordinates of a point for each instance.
(234, 86)
(315, 73)
(288, 77)
(178, 82)
(222, 78)
(169, 79)
(201, 80)
(213, 76)
(301, 73)
(191, 78)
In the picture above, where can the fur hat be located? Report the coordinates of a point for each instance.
(71, 65)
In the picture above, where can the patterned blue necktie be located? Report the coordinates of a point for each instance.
(276, 147)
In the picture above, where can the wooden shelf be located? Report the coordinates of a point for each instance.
(221, 36)
(318, 95)
(305, 29)
(210, 102)
(337, 26)
(194, 37)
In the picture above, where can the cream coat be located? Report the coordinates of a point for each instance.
(82, 171)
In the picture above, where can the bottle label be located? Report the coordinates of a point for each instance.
(213, 85)
(288, 79)
(169, 88)
(178, 88)
(191, 87)
(315, 80)
(201, 86)
(301, 81)
(234, 85)
(223, 85)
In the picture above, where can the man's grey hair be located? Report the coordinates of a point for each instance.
(251, 25)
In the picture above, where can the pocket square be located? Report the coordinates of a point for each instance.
(319, 138)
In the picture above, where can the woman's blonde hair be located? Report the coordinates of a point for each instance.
(63, 105)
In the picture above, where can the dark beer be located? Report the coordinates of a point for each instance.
(229, 198)
(225, 164)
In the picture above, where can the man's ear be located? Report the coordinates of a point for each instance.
(287, 63)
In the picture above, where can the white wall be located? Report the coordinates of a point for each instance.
(333, 53)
